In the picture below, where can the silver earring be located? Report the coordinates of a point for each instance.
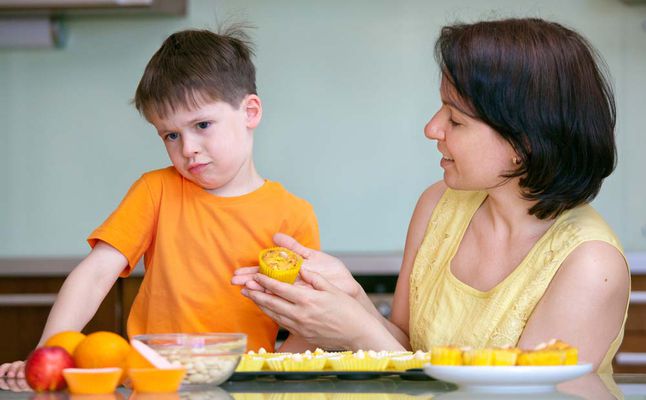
(515, 160)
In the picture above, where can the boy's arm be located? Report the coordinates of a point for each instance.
(84, 289)
(80, 296)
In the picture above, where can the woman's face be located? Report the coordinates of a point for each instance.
(474, 156)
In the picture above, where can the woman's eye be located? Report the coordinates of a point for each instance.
(203, 125)
(171, 136)
(453, 122)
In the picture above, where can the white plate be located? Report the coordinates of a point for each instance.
(507, 379)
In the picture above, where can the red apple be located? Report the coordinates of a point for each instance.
(44, 368)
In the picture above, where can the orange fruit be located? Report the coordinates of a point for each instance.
(66, 339)
(102, 350)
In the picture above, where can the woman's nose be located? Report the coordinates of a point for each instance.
(435, 129)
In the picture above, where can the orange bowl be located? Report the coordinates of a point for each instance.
(92, 380)
(156, 380)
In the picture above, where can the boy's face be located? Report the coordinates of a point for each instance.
(211, 145)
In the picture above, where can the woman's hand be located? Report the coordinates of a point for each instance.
(331, 268)
(320, 312)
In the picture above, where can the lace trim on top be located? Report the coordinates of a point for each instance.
(444, 310)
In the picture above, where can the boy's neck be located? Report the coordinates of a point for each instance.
(247, 180)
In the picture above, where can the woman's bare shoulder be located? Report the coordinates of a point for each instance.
(597, 265)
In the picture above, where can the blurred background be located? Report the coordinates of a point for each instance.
(347, 88)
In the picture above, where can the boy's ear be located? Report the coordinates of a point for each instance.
(253, 108)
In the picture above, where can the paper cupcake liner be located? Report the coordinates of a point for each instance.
(542, 357)
(358, 364)
(287, 275)
(505, 357)
(446, 356)
(250, 363)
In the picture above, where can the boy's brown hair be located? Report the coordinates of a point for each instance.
(193, 66)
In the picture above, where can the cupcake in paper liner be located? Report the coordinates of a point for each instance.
(409, 361)
(541, 357)
(280, 263)
(296, 362)
(505, 356)
(571, 353)
(477, 357)
(446, 355)
(300, 363)
(358, 361)
(249, 363)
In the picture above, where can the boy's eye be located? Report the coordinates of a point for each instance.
(453, 122)
(171, 136)
(203, 125)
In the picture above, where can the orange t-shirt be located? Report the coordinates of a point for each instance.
(192, 241)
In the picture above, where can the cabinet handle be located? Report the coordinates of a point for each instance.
(638, 297)
(26, 300)
(625, 358)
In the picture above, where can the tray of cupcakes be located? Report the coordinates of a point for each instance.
(343, 365)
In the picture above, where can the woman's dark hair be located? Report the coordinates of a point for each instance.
(541, 86)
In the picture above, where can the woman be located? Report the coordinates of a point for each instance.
(505, 250)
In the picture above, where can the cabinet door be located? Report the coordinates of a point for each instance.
(25, 304)
(631, 357)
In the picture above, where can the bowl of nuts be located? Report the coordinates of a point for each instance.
(209, 358)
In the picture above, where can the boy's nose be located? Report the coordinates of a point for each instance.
(190, 147)
(436, 128)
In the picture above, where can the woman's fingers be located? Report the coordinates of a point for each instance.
(317, 281)
(242, 275)
(291, 293)
(253, 285)
(280, 319)
(270, 302)
(289, 242)
(245, 270)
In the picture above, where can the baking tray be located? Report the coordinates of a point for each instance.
(411, 374)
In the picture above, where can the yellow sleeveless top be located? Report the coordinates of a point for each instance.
(445, 311)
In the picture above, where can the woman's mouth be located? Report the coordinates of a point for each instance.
(445, 162)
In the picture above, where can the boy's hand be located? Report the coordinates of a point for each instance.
(331, 268)
(15, 369)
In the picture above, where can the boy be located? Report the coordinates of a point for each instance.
(202, 218)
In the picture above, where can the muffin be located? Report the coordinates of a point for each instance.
(402, 362)
(477, 357)
(505, 356)
(446, 355)
(296, 362)
(250, 363)
(541, 357)
(571, 353)
(359, 361)
(280, 263)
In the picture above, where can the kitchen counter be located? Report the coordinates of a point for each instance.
(357, 263)
(591, 386)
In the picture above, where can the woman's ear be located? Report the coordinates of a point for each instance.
(253, 109)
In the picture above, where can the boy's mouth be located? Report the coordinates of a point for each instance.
(197, 168)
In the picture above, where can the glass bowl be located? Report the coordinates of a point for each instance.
(209, 358)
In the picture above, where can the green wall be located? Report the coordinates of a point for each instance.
(347, 87)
